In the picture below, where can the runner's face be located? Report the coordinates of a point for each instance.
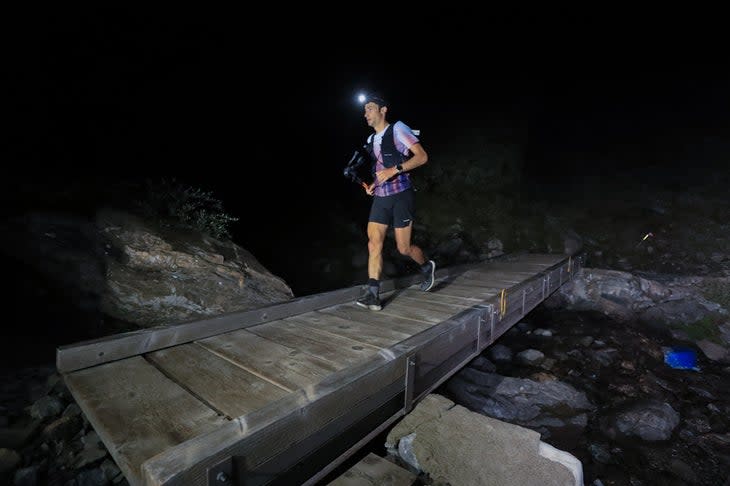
(373, 114)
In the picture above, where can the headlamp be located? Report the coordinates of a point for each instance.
(365, 98)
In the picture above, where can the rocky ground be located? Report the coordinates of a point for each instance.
(640, 421)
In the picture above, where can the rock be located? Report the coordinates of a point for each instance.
(714, 351)
(650, 421)
(455, 446)
(120, 269)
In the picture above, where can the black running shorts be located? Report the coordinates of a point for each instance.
(395, 210)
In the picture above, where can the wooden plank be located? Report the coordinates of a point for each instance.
(477, 288)
(478, 273)
(109, 348)
(480, 286)
(418, 296)
(487, 277)
(510, 265)
(516, 266)
(544, 258)
(286, 367)
(339, 350)
(220, 383)
(484, 282)
(354, 313)
(138, 412)
(373, 470)
(430, 313)
(434, 303)
(469, 291)
(289, 429)
(380, 336)
(440, 358)
(556, 278)
(434, 333)
(509, 273)
(533, 258)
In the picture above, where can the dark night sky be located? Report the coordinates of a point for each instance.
(260, 108)
(166, 87)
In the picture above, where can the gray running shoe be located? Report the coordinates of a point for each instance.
(429, 276)
(369, 301)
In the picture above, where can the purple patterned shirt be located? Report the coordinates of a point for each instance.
(404, 139)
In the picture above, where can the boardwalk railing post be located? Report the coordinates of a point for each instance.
(410, 381)
(485, 337)
(524, 295)
(482, 320)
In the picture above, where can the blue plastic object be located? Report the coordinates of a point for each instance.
(681, 358)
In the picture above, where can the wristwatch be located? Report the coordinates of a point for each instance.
(399, 168)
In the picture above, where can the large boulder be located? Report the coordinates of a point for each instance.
(117, 270)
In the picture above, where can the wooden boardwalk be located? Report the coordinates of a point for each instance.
(285, 393)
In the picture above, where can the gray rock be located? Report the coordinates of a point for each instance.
(650, 421)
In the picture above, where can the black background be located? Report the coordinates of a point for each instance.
(260, 107)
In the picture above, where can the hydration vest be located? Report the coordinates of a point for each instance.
(391, 156)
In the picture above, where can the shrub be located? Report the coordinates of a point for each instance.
(704, 328)
(171, 203)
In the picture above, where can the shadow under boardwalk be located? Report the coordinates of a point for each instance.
(285, 393)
